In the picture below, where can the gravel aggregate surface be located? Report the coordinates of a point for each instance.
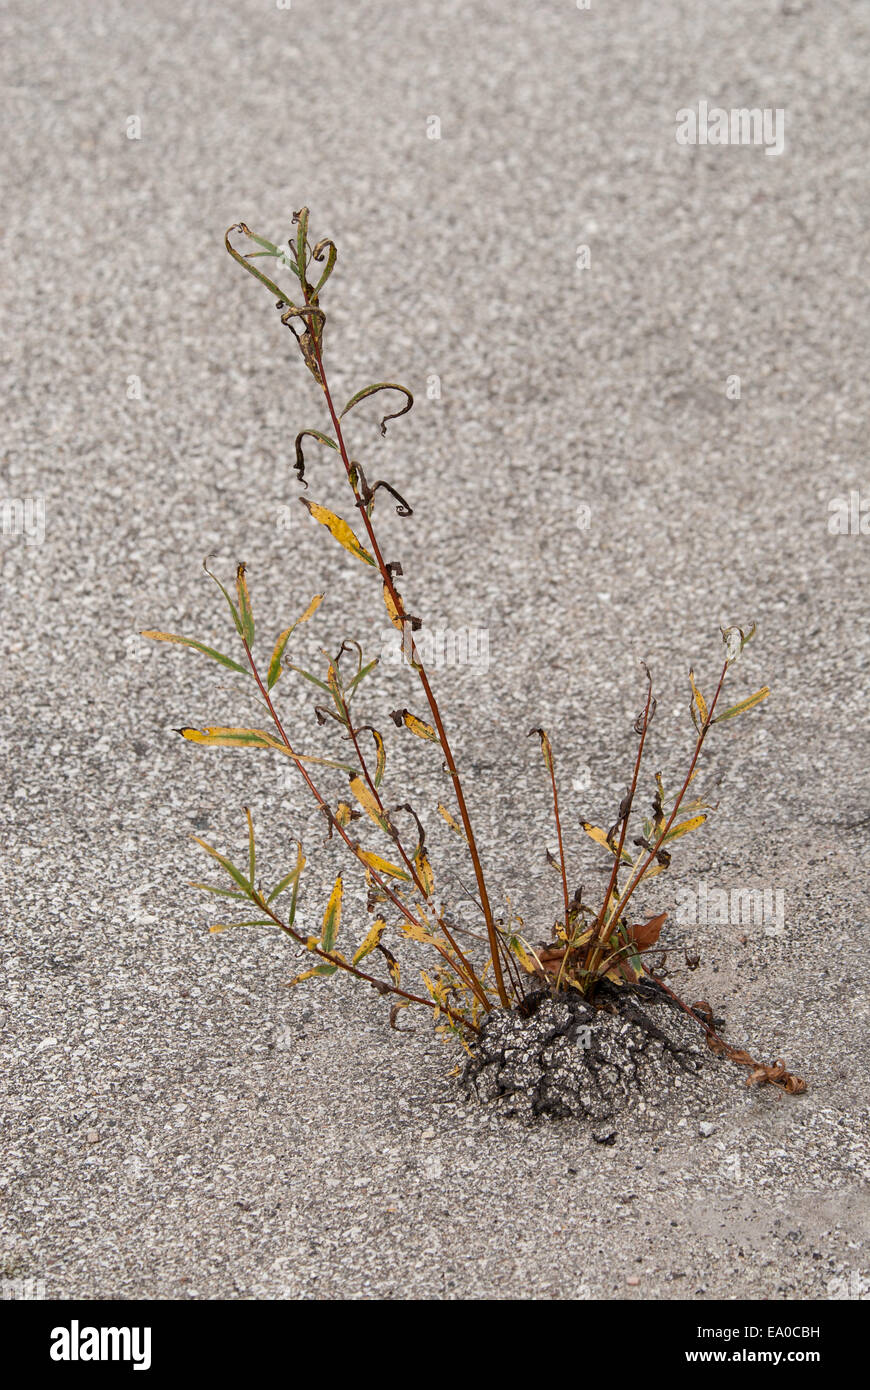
(588, 490)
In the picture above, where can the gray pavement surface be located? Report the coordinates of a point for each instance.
(176, 1123)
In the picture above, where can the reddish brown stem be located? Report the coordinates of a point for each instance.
(387, 578)
(638, 875)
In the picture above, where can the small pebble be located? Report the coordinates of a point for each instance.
(93, 1136)
(705, 1129)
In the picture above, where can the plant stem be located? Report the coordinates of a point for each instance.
(380, 985)
(602, 922)
(321, 800)
(638, 875)
(467, 972)
(387, 578)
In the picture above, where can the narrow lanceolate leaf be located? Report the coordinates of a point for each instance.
(683, 828)
(223, 737)
(451, 820)
(323, 971)
(338, 528)
(372, 390)
(275, 661)
(221, 892)
(396, 618)
(381, 866)
(749, 703)
(380, 755)
(369, 803)
(235, 874)
(424, 871)
(283, 638)
(700, 702)
(600, 837)
(254, 922)
(546, 747)
(246, 615)
(286, 882)
(245, 263)
(197, 646)
(235, 612)
(361, 675)
(370, 940)
(417, 726)
(252, 854)
(299, 465)
(317, 255)
(332, 917)
(301, 220)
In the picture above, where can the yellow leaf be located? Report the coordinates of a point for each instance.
(370, 940)
(424, 871)
(417, 726)
(451, 821)
(246, 615)
(340, 529)
(415, 932)
(600, 837)
(392, 610)
(222, 736)
(683, 828)
(699, 698)
(381, 866)
(369, 803)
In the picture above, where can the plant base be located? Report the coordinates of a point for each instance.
(566, 1057)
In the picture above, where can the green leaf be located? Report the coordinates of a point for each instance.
(381, 386)
(252, 857)
(253, 922)
(332, 917)
(360, 676)
(283, 637)
(197, 646)
(221, 892)
(234, 873)
(749, 703)
(315, 680)
(252, 270)
(236, 619)
(291, 879)
(317, 255)
(286, 882)
(381, 754)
